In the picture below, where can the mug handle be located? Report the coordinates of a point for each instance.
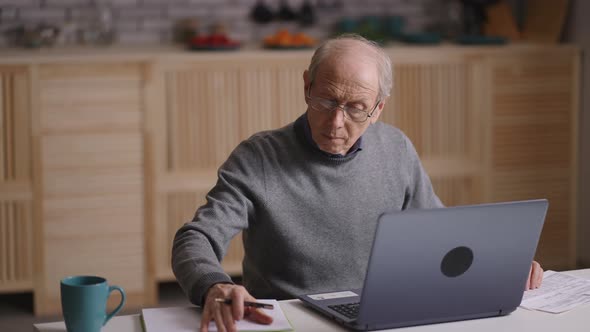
(118, 308)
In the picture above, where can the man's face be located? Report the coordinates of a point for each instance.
(348, 81)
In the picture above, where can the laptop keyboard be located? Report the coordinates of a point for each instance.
(350, 310)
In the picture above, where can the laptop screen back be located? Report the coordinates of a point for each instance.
(432, 265)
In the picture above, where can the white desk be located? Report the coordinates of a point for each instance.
(305, 319)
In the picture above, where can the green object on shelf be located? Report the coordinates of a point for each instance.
(394, 26)
(421, 38)
(480, 40)
(369, 27)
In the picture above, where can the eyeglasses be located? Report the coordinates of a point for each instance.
(323, 105)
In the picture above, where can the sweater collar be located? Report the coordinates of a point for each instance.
(302, 126)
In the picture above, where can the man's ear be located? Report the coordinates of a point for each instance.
(377, 111)
(306, 84)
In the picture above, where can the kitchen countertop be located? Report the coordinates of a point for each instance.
(22, 56)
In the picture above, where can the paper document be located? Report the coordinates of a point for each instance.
(188, 319)
(558, 293)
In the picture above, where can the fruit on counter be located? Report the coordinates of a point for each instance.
(283, 38)
(213, 40)
(217, 38)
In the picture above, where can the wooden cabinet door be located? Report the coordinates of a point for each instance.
(435, 102)
(91, 177)
(533, 139)
(16, 216)
(210, 107)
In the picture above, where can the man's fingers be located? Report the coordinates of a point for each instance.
(537, 275)
(219, 320)
(237, 297)
(205, 321)
(538, 280)
(257, 315)
(228, 318)
(528, 279)
(225, 316)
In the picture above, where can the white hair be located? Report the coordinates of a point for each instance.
(335, 45)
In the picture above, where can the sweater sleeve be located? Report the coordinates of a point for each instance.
(200, 245)
(419, 193)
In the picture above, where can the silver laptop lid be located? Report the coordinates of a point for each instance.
(462, 262)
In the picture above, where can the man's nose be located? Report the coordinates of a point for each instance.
(337, 116)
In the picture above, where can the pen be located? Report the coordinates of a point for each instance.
(247, 303)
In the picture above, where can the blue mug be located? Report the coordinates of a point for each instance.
(84, 303)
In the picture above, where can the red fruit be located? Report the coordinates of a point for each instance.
(199, 41)
(218, 39)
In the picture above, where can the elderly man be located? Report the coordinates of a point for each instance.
(307, 195)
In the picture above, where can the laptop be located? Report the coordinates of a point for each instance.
(440, 265)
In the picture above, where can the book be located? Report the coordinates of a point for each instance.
(188, 319)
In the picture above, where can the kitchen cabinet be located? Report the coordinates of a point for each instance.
(118, 148)
(90, 176)
(533, 143)
(16, 187)
(210, 106)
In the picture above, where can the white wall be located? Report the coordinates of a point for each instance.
(152, 21)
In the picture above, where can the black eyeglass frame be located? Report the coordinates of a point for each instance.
(341, 107)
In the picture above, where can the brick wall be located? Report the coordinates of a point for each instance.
(152, 21)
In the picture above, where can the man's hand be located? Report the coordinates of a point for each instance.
(535, 276)
(225, 315)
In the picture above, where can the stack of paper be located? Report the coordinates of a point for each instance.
(558, 293)
(188, 319)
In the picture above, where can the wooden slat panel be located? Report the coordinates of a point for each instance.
(4, 108)
(225, 109)
(454, 191)
(553, 184)
(181, 207)
(107, 72)
(532, 144)
(80, 182)
(15, 246)
(15, 182)
(4, 235)
(205, 129)
(91, 150)
(90, 105)
(533, 89)
(9, 219)
(190, 121)
(8, 132)
(22, 128)
(257, 111)
(430, 104)
(532, 70)
(96, 215)
(210, 110)
(119, 258)
(98, 97)
(289, 89)
(518, 147)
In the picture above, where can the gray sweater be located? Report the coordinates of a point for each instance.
(308, 219)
